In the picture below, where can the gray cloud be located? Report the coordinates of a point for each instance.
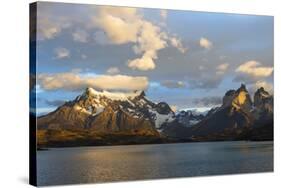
(54, 102)
(173, 84)
(62, 53)
(207, 101)
(205, 82)
(80, 35)
(243, 78)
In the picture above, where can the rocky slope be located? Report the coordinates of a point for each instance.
(263, 104)
(189, 118)
(233, 115)
(105, 112)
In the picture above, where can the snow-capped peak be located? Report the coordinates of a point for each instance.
(119, 96)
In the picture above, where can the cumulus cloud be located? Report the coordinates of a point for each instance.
(205, 43)
(150, 40)
(254, 69)
(80, 35)
(49, 25)
(47, 29)
(207, 101)
(173, 84)
(145, 63)
(61, 53)
(178, 44)
(222, 68)
(71, 82)
(121, 25)
(112, 70)
(127, 25)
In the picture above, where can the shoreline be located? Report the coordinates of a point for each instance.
(40, 148)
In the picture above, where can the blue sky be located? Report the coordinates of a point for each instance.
(188, 59)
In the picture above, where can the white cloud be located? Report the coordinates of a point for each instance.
(144, 63)
(47, 29)
(48, 32)
(221, 69)
(178, 44)
(150, 40)
(113, 70)
(62, 53)
(254, 69)
(49, 25)
(205, 43)
(80, 35)
(121, 25)
(126, 25)
(163, 13)
(71, 81)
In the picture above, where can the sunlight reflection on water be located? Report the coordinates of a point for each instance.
(136, 162)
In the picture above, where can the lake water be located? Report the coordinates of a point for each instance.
(137, 162)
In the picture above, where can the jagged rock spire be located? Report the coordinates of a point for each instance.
(142, 94)
(261, 89)
(263, 100)
(242, 87)
(88, 91)
(239, 98)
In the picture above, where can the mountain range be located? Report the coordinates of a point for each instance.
(110, 118)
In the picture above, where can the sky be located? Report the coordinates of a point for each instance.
(185, 58)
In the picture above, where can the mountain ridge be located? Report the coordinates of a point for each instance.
(236, 115)
(105, 111)
(133, 115)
